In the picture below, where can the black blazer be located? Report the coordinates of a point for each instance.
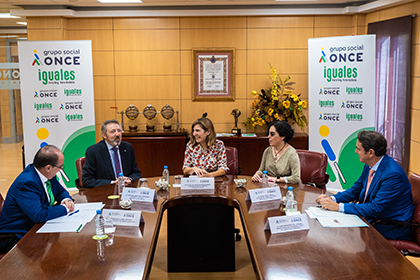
(98, 169)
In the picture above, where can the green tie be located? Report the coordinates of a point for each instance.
(50, 193)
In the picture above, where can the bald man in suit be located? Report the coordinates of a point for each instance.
(104, 159)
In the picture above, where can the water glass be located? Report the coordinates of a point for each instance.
(291, 206)
(144, 183)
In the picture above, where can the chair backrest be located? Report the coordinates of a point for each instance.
(415, 190)
(79, 167)
(232, 160)
(1, 202)
(313, 167)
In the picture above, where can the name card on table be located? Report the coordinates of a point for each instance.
(139, 194)
(265, 194)
(197, 183)
(124, 217)
(287, 223)
(264, 206)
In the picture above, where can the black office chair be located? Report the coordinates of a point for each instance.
(234, 169)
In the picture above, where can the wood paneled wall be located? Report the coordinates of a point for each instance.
(143, 61)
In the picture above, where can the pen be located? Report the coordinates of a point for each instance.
(74, 212)
(78, 229)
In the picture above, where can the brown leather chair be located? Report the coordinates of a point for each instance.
(1, 202)
(313, 167)
(79, 167)
(232, 161)
(407, 247)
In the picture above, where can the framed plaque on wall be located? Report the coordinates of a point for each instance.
(213, 74)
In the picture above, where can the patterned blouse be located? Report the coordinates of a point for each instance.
(211, 159)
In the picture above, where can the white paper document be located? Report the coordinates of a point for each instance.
(342, 221)
(74, 221)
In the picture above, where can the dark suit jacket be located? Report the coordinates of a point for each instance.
(389, 197)
(98, 169)
(27, 203)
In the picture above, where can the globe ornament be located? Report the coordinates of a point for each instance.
(132, 112)
(149, 112)
(167, 112)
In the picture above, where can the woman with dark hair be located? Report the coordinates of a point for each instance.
(280, 159)
(205, 156)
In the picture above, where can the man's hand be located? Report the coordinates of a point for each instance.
(127, 181)
(69, 204)
(327, 203)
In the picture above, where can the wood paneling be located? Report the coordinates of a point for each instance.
(213, 38)
(415, 57)
(146, 23)
(135, 40)
(414, 165)
(212, 22)
(334, 31)
(398, 11)
(45, 35)
(415, 131)
(101, 39)
(147, 87)
(103, 62)
(282, 38)
(415, 93)
(104, 87)
(281, 21)
(334, 21)
(287, 61)
(88, 24)
(147, 63)
(45, 22)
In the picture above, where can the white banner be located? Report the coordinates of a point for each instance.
(57, 100)
(341, 102)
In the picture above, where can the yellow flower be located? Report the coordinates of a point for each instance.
(254, 92)
(276, 116)
(269, 119)
(295, 97)
(270, 111)
(261, 122)
(286, 104)
(300, 103)
(304, 104)
(257, 113)
(252, 119)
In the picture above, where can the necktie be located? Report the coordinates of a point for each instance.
(116, 161)
(371, 171)
(50, 193)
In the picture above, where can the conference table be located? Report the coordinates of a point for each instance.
(320, 253)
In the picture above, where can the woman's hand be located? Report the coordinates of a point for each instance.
(199, 172)
(257, 177)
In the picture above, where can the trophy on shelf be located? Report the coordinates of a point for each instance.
(132, 113)
(149, 112)
(236, 113)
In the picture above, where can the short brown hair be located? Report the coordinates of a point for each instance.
(372, 140)
(207, 125)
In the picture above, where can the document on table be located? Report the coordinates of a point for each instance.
(342, 221)
(73, 221)
(334, 219)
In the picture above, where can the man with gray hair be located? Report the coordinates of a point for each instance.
(381, 192)
(109, 157)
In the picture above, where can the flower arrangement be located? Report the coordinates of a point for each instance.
(277, 103)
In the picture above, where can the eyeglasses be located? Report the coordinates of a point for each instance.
(271, 133)
(59, 167)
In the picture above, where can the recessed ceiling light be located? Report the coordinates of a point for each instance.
(7, 15)
(9, 36)
(22, 22)
(120, 1)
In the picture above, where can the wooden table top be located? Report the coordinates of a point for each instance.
(320, 253)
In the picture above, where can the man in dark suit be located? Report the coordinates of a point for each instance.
(31, 197)
(104, 160)
(381, 192)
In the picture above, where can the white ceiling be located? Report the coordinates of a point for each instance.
(93, 8)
